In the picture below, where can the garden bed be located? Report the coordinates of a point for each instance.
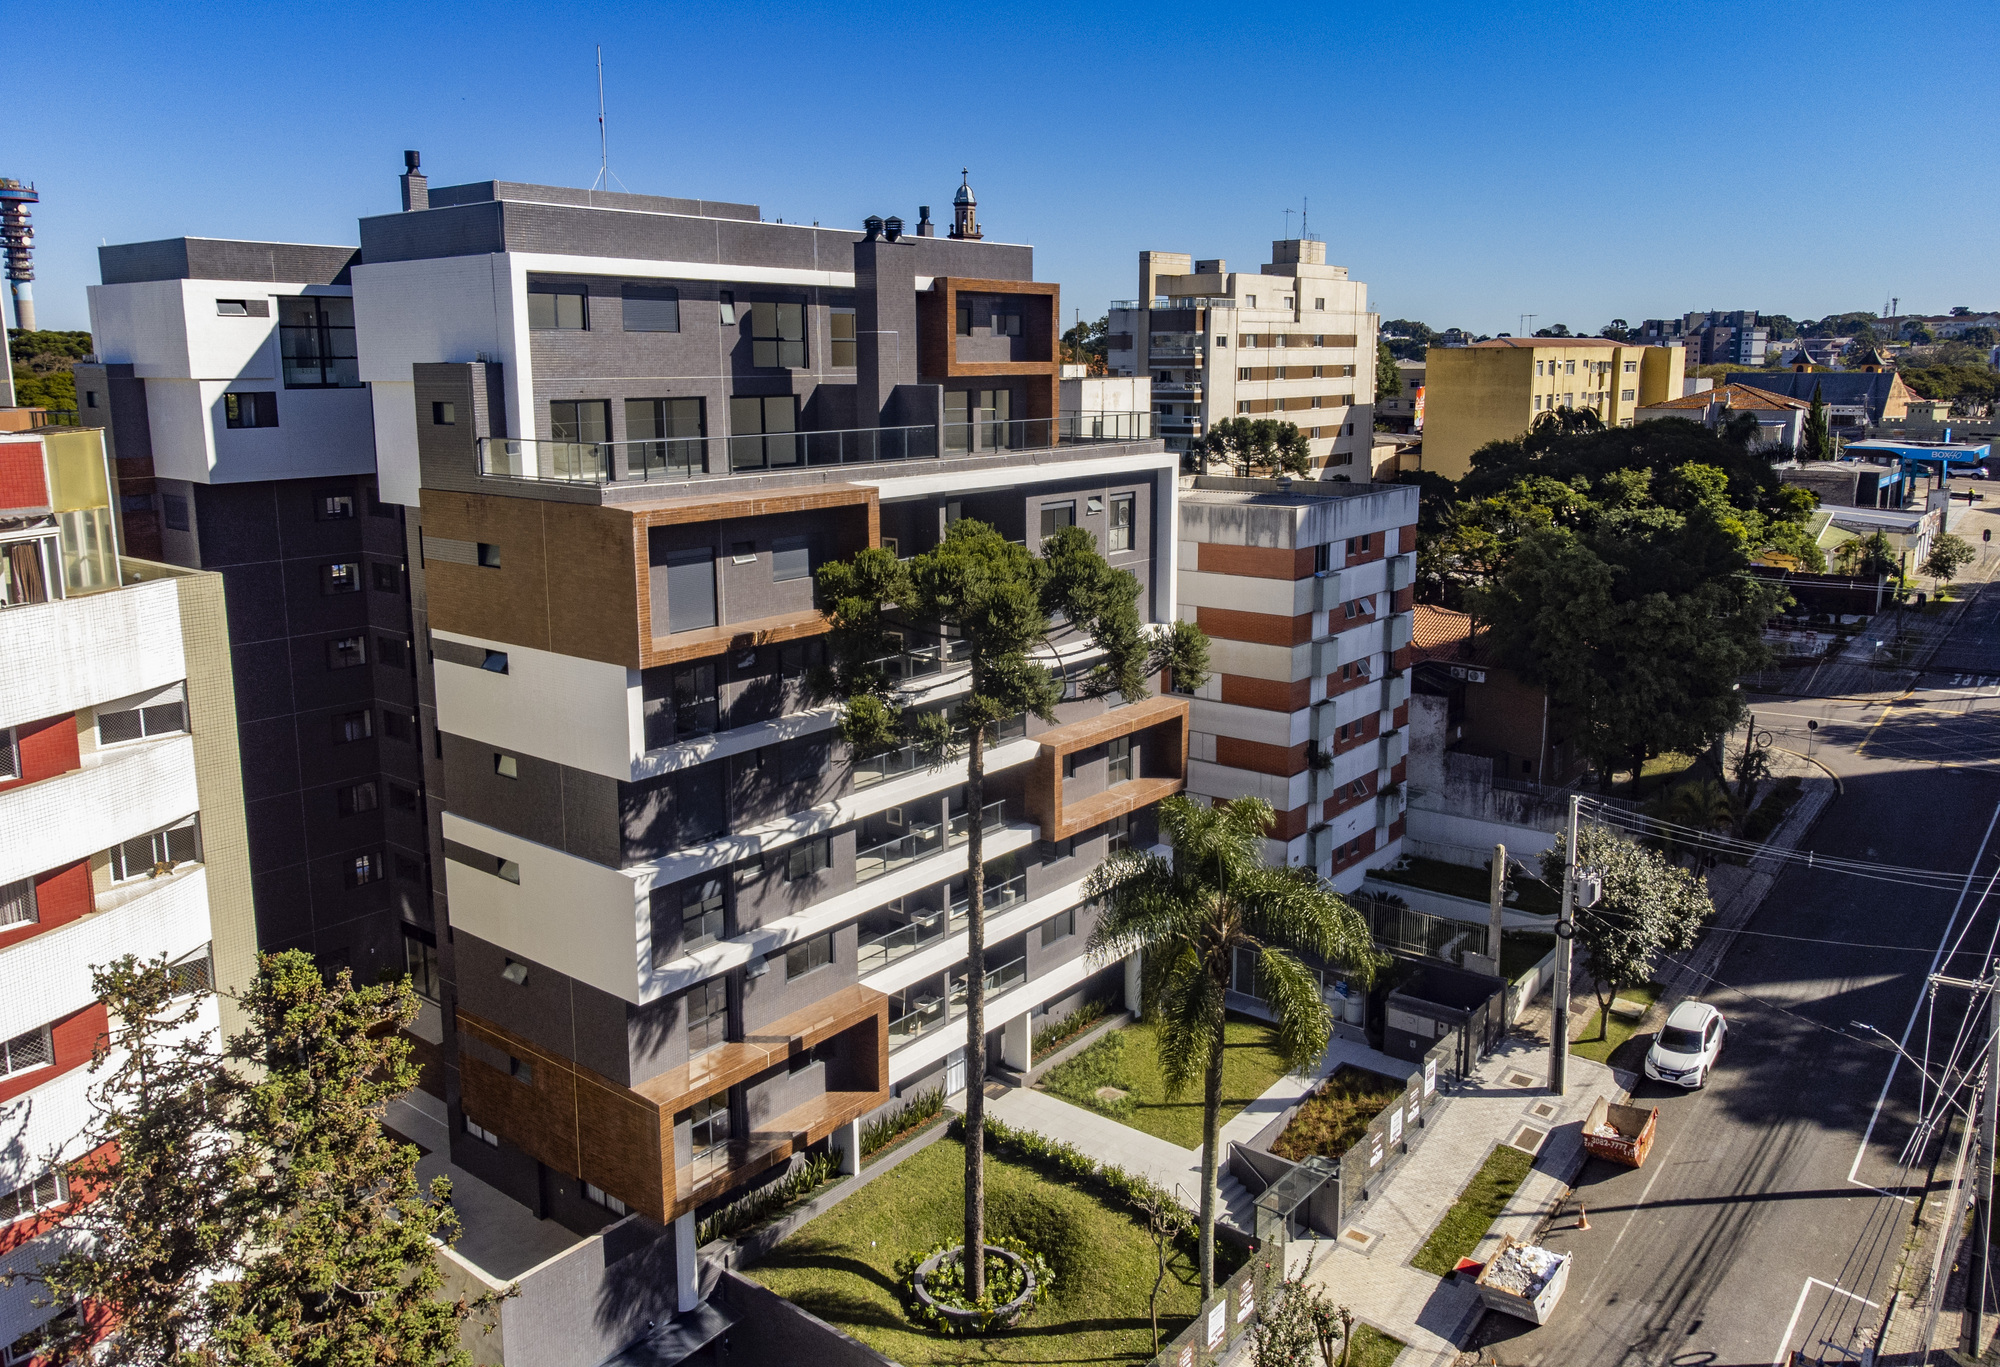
(841, 1266)
(1055, 1034)
(1477, 1207)
(1119, 1076)
(1617, 1030)
(1333, 1119)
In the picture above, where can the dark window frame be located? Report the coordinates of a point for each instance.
(250, 408)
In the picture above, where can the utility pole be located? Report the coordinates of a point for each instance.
(1565, 933)
(1978, 1270)
(1495, 894)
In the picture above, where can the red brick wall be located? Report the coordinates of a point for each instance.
(60, 897)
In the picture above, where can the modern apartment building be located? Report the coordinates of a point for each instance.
(121, 806)
(242, 439)
(1732, 338)
(1294, 342)
(682, 934)
(1493, 391)
(1304, 589)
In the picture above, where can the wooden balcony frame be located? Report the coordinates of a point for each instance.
(1045, 782)
(621, 1139)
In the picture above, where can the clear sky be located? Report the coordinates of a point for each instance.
(1471, 161)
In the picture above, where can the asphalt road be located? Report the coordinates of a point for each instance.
(1771, 1212)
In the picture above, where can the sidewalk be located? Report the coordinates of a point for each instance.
(1432, 1314)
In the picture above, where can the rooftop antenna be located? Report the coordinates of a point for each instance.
(604, 176)
(1527, 322)
(1288, 223)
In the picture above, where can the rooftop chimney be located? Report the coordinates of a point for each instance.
(872, 225)
(416, 186)
(892, 228)
(925, 228)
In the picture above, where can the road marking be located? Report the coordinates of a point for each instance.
(1784, 1344)
(1916, 1007)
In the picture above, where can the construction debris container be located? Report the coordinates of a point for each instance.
(1523, 1280)
(1622, 1134)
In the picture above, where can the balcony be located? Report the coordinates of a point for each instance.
(982, 436)
(916, 756)
(927, 1016)
(928, 928)
(1165, 716)
(919, 841)
(1176, 389)
(130, 791)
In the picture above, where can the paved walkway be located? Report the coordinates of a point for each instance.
(1426, 1312)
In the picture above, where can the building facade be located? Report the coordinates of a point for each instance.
(682, 934)
(1295, 342)
(1404, 411)
(1494, 391)
(1305, 591)
(242, 437)
(1780, 420)
(1732, 338)
(122, 804)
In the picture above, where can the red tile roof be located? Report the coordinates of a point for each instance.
(1553, 342)
(1733, 396)
(1439, 633)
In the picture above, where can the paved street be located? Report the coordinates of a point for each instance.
(1763, 1223)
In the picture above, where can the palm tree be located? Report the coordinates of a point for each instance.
(1190, 916)
(1702, 805)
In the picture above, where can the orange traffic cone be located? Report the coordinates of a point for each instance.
(1582, 1217)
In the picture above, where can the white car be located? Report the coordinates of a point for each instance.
(1685, 1049)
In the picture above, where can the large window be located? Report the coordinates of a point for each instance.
(256, 409)
(652, 308)
(707, 1014)
(144, 855)
(671, 429)
(690, 590)
(1118, 537)
(791, 558)
(978, 420)
(694, 700)
(1118, 757)
(420, 958)
(702, 915)
(778, 335)
(580, 420)
(808, 955)
(316, 335)
(558, 308)
(17, 903)
(162, 714)
(31, 1049)
(761, 431)
(1056, 516)
(50, 1189)
(710, 1132)
(841, 326)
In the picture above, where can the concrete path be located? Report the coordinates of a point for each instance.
(1426, 1312)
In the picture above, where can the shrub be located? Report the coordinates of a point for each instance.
(1101, 1065)
(765, 1202)
(946, 1284)
(893, 1125)
(1067, 1161)
(1056, 1033)
(1334, 1117)
(1784, 795)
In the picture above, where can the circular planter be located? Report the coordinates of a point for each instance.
(977, 1321)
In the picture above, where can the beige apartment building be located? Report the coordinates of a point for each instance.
(1493, 391)
(1294, 342)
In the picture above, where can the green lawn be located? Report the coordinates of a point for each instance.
(1466, 1223)
(1129, 1060)
(841, 1265)
(1622, 1029)
(1373, 1348)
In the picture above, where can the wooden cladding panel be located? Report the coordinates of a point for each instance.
(1260, 628)
(1260, 758)
(1167, 714)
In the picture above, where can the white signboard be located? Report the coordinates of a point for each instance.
(1246, 1301)
(1430, 1076)
(1217, 1323)
(1375, 1151)
(1396, 1126)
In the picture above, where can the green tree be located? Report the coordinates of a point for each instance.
(1255, 444)
(1388, 379)
(1649, 907)
(1949, 554)
(1407, 338)
(1001, 604)
(43, 364)
(1088, 345)
(1189, 915)
(342, 1270)
(164, 1202)
(1301, 1325)
(1701, 805)
(1867, 557)
(1818, 438)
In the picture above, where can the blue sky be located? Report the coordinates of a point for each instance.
(1472, 162)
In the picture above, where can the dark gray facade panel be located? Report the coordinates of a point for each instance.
(487, 190)
(548, 803)
(463, 230)
(203, 258)
(551, 1010)
(772, 996)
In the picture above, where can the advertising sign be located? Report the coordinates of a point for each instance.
(1396, 1126)
(1430, 1076)
(1217, 1323)
(1246, 1300)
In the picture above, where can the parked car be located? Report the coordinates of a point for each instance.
(1686, 1048)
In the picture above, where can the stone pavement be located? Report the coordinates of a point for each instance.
(1428, 1313)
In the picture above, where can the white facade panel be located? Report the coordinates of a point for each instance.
(561, 708)
(133, 790)
(1246, 593)
(1227, 783)
(144, 325)
(45, 977)
(178, 423)
(1250, 723)
(65, 656)
(398, 475)
(1255, 661)
(414, 312)
(320, 433)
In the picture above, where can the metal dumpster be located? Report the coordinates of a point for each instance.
(1621, 1134)
(1523, 1280)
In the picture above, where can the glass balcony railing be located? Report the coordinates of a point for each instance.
(915, 756)
(992, 817)
(999, 896)
(918, 1019)
(898, 851)
(928, 928)
(923, 661)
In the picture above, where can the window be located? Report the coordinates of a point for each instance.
(358, 798)
(808, 857)
(702, 915)
(1569, 367)
(1056, 516)
(840, 324)
(144, 855)
(778, 335)
(761, 431)
(90, 398)
(690, 590)
(965, 320)
(558, 308)
(232, 308)
(444, 414)
(176, 510)
(352, 726)
(598, 1196)
(336, 507)
(399, 726)
(420, 960)
(674, 427)
(796, 657)
(652, 308)
(809, 955)
(791, 558)
(1627, 395)
(316, 337)
(1243, 372)
(1118, 537)
(1631, 367)
(29, 1050)
(191, 976)
(367, 868)
(510, 871)
(505, 765)
(50, 1189)
(521, 1071)
(1538, 367)
(580, 420)
(346, 652)
(707, 1014)
(388, 578)
(1060, 926)
(1006, 324)
(481, 1133)
(1222, 341)
(257, 409)
(344, 577)
(1118, 834)
(694, 700)
(17, 903)
(1118, 760)
(1250, 301)
(728, 301)
(489, 555)
(163, 714)
(1242, 406)
(709, 1129)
